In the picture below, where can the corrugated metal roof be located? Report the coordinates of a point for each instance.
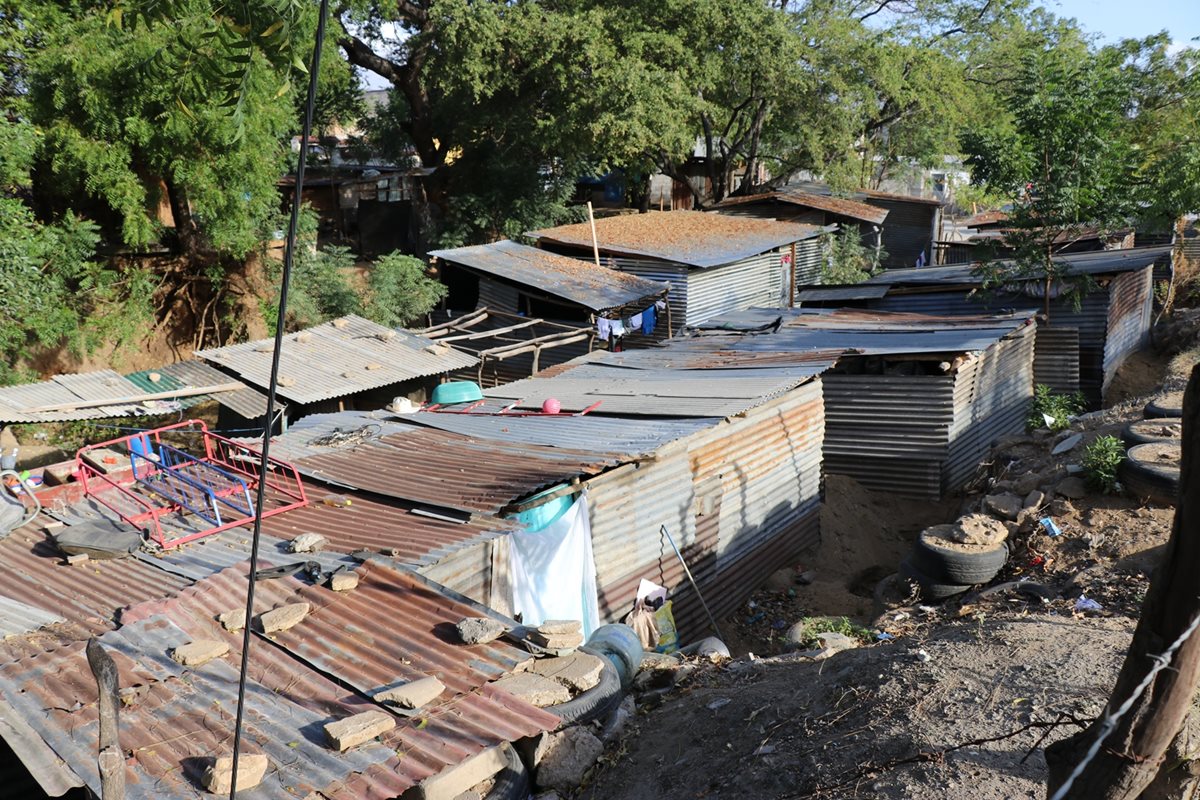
(695, 238)
(1093, 263)
(441, 469)
(835, 205)
(250, 403)
(833, 293)
(337, 358)
(595, 288)
(16, 402)
(327, 433)
(17, 617)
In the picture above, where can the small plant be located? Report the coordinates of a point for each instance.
(1101, 459)
(812, 627)
(1053, 411)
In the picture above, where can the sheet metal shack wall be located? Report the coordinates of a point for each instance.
(740, 499)
(1130, 307)
(907, 231)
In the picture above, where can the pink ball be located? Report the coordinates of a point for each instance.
(551, 406)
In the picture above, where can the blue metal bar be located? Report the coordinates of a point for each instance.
(201, 489)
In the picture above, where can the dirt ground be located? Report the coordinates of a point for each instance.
(955, 701)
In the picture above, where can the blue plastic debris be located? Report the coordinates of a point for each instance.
(1050, 527)
(884, 636)
(1087, 604)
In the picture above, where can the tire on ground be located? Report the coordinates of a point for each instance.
(1151, 472)
(952, 566)
(1151, 431)
(512, 782)
(1169, 405)
(595, 703)
(930, 589)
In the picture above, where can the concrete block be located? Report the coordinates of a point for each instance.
(308, 543)
(193, 654)
(233, 620)
(557, 641)
(480, 630)
(413, 694)
(77, 559)
(578, 671)
(218, 777)
(280, 619)
(534, 689)
(453, 781)
(558, 626)
(344, 581)
(564, 757)
(351, 731)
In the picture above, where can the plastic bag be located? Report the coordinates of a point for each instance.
(668, 637)
(645, 624)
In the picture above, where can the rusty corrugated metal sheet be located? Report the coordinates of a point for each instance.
(841, 206)
(449, 471)
(1056, 358)
(1093, 263)
(596, 288)
(1130, 309)
(694, 238)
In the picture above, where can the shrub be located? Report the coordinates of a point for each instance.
(813, 627)
(1058, 407)
(1101, 459)
(399, 291)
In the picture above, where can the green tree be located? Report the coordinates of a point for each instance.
(399, 291)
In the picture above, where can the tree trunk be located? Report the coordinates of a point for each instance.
(1134, 754)
(186, 230)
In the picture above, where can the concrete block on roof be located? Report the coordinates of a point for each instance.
(218, 777)
(280, 619)
(201, 651)
(233, 620)
(578, 671)
(480, 630)
(308, 543)
(453, 781)
(534, 689)
(413, 694)
(552, 627)
(344, 581)
(352, 731)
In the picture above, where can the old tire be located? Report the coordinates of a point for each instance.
(957, 567)
(1151, 472)
(512, 782)
(595, 703)
(1169, 405)
(930, 589)
(1152, 431)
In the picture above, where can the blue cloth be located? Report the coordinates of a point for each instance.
(648, 320)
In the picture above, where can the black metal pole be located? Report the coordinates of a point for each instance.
(268, 418)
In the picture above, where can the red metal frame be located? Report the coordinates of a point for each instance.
(141, 511)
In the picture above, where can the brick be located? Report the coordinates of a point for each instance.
(413, 694)
(534, 689)
(578, 671)
(280, 619)
(351, 731)
(78, 558)
(218, 777)
(453, 781)
(557, 641)
(557, 626)
(233, 620)
(344, 581)
(201, 651)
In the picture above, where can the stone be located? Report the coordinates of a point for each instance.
(413, 694)
(201, 651)
(1073, 488)
(1067, 444)
(578, 671)
(978, 529)
(550, 795)
(451, 782)
(218, 776)
(1034, 499)
(346, 733)
(806, 577)
(781, 580)
(343, 581)
(833, 642)
(554, 627)
(563, 758)
(78, 558)
(233, 620)
(1004, 506)
(618, 720)
(308, 543)
(280, 619)
(557, 641)
(480, 630)
(1026, 483)
(534, 689)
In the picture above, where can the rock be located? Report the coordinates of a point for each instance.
(351, 731)
(578, 671)
(452, 782)
(556, 627)
(534, 689)
(1004, 506)
(978, 529)
(1073, 488)
(550, 795)
(233, 620)
(1026, 483)
(308, 543)
(201, 651)
(480, 630)
(781, 580)
(280, 619)
(218, 776)
(77, 559)
(1067, 444)
(652, 661)
(833, 642)
(343, 581)
(557, 641)
(413, 694)
(806, 577)
(618, 720)
(563, 758)
(1034, 499)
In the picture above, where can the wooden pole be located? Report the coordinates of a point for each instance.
(792, 290)
(595, 242)
(670, 330)
(110, 760)
(139, 398)
(1133, 754)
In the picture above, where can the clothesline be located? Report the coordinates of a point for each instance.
(643, 322)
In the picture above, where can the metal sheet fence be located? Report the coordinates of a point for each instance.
(1130, 308)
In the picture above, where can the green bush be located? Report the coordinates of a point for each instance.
(847, 259)
(1101, 459)
(1059, 407)
(813, 627)
(399, 291)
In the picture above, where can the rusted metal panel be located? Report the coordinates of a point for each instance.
(17, 617)
(694, 238)
(1099, 262)
(1130, 309)
(1056, 358)
(840, 206)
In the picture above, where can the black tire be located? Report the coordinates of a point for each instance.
(512, 782)
(1152, 431)
(1169, 405)
(595, 703)
(1151, 472)
(930, 588)
(957, 567)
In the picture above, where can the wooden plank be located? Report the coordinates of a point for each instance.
(138, 398)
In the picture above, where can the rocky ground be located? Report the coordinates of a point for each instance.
(948, 701)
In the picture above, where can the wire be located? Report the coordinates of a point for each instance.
(269, 416)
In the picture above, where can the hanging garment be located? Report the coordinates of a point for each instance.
(552, 571)
(649, 320)
(618, 327)
(603, 328)
(635, 323)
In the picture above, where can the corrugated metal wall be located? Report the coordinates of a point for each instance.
(907, 231)
(674, 274)
(1130, 308)
(755, 281)
(810, 257)
(1056, 358)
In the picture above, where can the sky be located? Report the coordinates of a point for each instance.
(1121, 19)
